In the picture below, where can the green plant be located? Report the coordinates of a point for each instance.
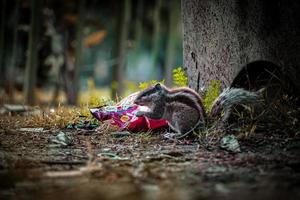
(144, 85)
(131, 86)
(93, 98)
(213, 91)
(179, 77)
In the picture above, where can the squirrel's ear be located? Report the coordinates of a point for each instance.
(158, 86)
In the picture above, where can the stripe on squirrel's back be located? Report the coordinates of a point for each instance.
(187, 97)
(186, 91)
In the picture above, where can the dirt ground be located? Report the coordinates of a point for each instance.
(145, 166)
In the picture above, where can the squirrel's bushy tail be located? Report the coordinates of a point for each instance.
(231, 97)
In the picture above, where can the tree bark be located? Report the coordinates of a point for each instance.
(222, 37)
(31, 64)
(120, 50)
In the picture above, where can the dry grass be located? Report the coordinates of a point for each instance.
(58, 117)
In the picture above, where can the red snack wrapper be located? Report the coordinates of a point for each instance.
(123, 115)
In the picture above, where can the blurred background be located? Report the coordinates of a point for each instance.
(64, 51)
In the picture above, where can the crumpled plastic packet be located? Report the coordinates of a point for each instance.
(123, 116)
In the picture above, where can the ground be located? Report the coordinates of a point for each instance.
(102, 165)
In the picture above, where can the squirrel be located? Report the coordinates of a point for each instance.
(183, 108)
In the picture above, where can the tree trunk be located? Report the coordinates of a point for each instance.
(120, 50)
(174, 17)
(2, 33)
(78, 54)
(11, 67)
(222, 37)
(31, 64)
(156, 34)
(139, 24)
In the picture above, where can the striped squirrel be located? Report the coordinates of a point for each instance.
(183, 108)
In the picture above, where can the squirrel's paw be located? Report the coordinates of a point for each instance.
(139, 113)
(170, 136)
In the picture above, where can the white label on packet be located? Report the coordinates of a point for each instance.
(143, 108)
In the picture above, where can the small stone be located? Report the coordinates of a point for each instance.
(62, 139)
(230, 143)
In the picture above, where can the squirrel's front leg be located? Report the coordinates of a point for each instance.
(175, 131)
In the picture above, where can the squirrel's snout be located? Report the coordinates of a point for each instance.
(136, 101)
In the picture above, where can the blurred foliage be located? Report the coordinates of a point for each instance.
(179, 77)
(95, 98)
(131, 87)
(213, 91)
(144, 85)
(114, 85)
